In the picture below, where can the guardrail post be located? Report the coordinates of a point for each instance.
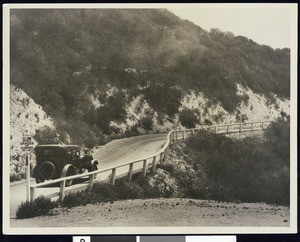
(227, 129)
(32, 193)
(154, 165)
(252, 127)
(91, 182)
(183, 134)
(240, 128)
(262, 125)
(216, 129)
(27, 162)
(161, 158)
(166, 153)
(145, 167)
(130, 171)
(113, 176)
(62, 190)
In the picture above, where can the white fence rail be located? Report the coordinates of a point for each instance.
(147, 162)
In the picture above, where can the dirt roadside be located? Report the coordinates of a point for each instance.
(163, 212)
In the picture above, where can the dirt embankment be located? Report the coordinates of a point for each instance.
(163, 212)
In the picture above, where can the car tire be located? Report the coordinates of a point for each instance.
(95, 168)
(46, 171)
(68, 170)
(38, 179)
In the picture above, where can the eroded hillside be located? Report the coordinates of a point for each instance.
(100, 73)
(26, 117)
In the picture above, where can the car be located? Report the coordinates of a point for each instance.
(54, 161)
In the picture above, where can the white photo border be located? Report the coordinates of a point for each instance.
(7, 229)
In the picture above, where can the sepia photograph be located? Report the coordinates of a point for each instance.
(149, 118)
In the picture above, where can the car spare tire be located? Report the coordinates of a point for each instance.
(46, 170)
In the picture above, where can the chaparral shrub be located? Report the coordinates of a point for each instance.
(249, 170)
(40, 206)
(188, 118)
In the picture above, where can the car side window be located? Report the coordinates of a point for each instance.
(73, 154)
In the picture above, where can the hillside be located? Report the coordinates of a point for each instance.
(98, 73)
(25, 115)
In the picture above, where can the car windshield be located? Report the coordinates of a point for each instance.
(72, 152)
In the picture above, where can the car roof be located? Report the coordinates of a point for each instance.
(56, 145)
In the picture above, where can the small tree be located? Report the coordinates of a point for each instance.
(46, 136)
(188, 118)
(147, 123)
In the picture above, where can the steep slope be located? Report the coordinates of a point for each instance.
(99, 72)
(25, 115)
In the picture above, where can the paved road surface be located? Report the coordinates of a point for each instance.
(115, 153)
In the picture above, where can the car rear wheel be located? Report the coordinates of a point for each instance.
(38, 179)
(46, 171)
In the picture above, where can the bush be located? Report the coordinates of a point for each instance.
(147, 123)
(17, 176)
(76, 199)
(40, 206)
(104, 192)
(163, 98)
(143, 181)
(163, 184)
(128, 190)
(46, 136)
(187, 181)
(123, 189)
(188, 118)
(101, 192)
(277, 136)
(249, 170)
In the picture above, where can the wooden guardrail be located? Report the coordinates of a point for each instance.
(147, 162)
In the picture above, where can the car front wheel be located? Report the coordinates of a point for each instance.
(68, 170)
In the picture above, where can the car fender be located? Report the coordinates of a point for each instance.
(34, 172)
(95, 164)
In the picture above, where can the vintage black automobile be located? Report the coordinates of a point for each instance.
(55, 161)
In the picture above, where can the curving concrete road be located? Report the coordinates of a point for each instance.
(124, 151)
(115, 153)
